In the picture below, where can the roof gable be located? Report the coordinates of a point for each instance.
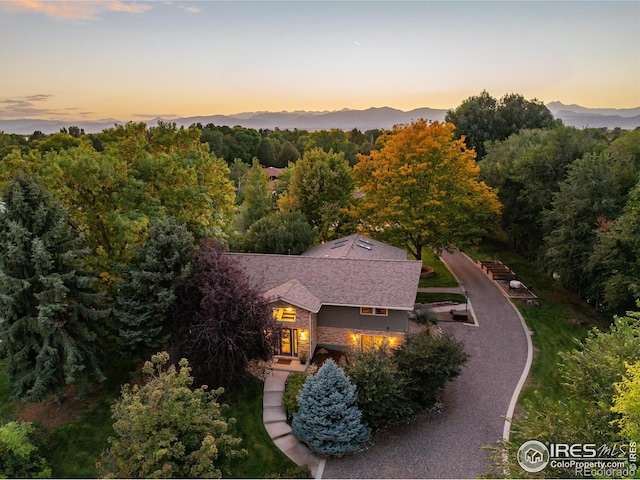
(295, 293)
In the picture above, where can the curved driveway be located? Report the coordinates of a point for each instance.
(448, 444)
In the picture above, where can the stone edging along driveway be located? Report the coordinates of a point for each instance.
(449, 444)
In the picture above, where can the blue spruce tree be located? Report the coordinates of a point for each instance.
(52, 314)
(328, 420)
(147, 289)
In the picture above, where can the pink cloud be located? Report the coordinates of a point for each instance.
(85, 10)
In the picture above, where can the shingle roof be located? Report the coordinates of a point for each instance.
(295, 293)
(333, 281)
(357, 246)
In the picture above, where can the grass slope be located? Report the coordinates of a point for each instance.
(442, 276)
(74, 449)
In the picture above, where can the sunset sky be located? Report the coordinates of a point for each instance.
(135, 60)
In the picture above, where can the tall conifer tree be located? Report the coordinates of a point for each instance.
(147, 289)
(51, 314)
(328, 420)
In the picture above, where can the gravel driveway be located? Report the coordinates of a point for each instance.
(448, 444)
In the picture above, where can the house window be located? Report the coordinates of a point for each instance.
(370, 341)
(287, 314)
(374, 311)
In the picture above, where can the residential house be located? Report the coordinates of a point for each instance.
(272, 173)
(354, 292)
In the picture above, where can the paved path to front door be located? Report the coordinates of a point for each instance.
(449, 444)
(275, 420)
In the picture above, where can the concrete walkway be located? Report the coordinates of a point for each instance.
(275, 420)
(449, 444)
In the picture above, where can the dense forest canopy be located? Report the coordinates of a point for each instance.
(115, 183)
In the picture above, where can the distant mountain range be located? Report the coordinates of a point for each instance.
(384, 118)
(581, 117)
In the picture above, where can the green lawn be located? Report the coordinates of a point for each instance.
(552, 334)
(265, 460)
(74, 449)
(442, 276)
(432, 297)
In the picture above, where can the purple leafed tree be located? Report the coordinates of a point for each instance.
(221, 321)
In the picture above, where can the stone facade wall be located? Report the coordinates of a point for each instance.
(351, 337)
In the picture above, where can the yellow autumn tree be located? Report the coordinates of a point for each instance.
(422, 189)
(627, 403)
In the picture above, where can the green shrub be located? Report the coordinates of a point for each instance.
(19, 453)
(380, 387)
(425, 316)
(292, 388)
(164, 429)
(429, 362)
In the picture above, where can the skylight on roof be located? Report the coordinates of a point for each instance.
(339, 243)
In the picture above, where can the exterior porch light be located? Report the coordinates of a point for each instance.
(303, 335)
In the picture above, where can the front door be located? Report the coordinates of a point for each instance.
(289, 342)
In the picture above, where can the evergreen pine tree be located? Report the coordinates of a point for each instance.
(328, 420)
(147, 289)
(51, 314)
